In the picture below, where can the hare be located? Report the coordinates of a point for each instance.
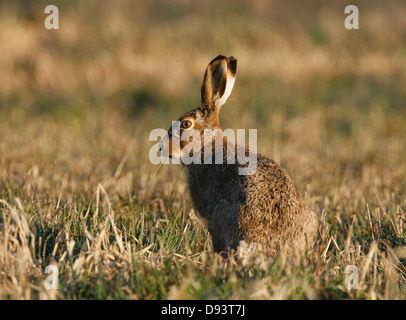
(263, 207)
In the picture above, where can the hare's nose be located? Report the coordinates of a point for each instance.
(161, 146)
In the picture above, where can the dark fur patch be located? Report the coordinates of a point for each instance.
(214, 81)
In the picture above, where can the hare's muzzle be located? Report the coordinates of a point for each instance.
(165, 146)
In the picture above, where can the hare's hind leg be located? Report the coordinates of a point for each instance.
(223, 226)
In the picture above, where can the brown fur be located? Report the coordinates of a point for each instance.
(264, 207)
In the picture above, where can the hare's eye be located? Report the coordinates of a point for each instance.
(186, 124)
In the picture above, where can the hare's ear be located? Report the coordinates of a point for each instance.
(218, 82)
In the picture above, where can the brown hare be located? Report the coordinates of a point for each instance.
(262, 207)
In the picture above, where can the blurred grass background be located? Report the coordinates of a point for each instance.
(77, 106)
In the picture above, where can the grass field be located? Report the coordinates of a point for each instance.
(77, 189)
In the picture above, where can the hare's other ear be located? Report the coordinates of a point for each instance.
(218, 82)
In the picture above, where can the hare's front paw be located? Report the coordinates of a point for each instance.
(223, 226)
